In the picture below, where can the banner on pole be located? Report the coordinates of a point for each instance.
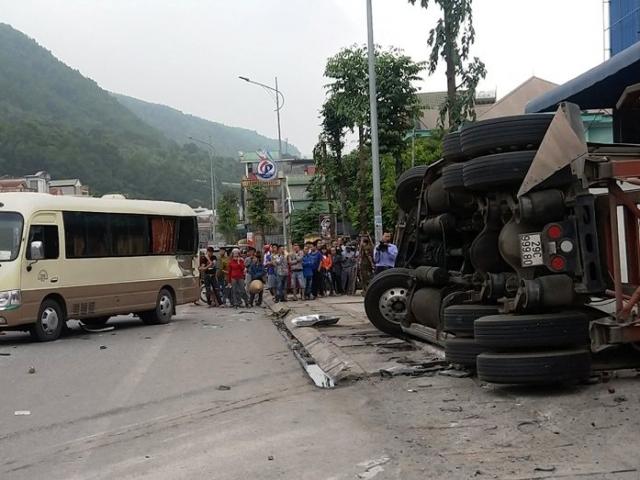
(327, 222)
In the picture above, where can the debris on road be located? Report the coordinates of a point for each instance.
(270, 458)
(22, 413)
(414, 369)
(545, 469)
(208, 325)
(32, 370)
(224, 387)
(103, 347)
(620, 399)
(422, 384)
(315, 320)
(283, 312)
(451, 409)
(5, 354)
(90, 329)
(455, 373)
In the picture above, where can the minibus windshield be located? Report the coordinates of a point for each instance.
(10, 235)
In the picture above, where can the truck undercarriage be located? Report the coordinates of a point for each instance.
(518, 251)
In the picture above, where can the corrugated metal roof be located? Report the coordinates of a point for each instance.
(598, 88)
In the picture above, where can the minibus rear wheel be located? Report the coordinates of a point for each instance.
(50, 322)
(163, 312)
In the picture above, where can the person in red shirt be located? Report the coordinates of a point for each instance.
(236, 278)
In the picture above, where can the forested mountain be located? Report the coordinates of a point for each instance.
(52, 118)
(179, 126)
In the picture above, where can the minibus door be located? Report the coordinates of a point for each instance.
(43, 254)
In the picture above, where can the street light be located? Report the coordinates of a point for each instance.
(375, 155)
(279, 105)
(213, 188)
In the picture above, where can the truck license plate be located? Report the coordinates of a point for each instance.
(530, 250)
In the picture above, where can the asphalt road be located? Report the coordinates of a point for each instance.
(154, 404)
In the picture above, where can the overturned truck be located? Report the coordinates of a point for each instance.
(510, 251)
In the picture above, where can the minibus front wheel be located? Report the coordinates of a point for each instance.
(50, 323)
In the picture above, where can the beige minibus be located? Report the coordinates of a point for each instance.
(89, 258)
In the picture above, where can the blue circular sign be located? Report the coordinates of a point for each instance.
(266, 169)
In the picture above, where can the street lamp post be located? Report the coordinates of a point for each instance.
(279, 105)
(213, 185)
(375, 156)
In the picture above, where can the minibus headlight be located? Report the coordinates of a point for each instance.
(10, 299)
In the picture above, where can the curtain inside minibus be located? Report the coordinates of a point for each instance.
(163, 235)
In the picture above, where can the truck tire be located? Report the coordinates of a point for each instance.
(504, 134)
(496, 171)
(386, 302)
(505, 332)
(452, 177)
(458, 319)
(462, 351)
(438, 200)
(535, 367)
(451, 148)
(408, 187)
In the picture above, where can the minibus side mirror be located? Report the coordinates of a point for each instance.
(37, 251)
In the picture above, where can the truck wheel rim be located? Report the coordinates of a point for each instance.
(49, 320)
(393, 304)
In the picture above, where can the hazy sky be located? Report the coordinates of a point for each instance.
(189, 53)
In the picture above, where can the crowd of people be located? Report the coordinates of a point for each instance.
(317, 269)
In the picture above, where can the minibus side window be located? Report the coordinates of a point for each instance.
(129, 234)
(87, 234)
(48, 235)
(187, 235)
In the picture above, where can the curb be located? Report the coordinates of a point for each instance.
(338, 366)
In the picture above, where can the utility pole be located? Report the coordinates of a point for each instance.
(213, 196)
(282, 177)
(213, 187)
(375, 155)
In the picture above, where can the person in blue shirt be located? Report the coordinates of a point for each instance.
(308, 267)
(385, 253)
(317, 279)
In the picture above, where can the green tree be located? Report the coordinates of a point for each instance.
(258, 210)
(398, 104)
(305, 222)
(228, 216)
(451, 39)
(347, 110)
